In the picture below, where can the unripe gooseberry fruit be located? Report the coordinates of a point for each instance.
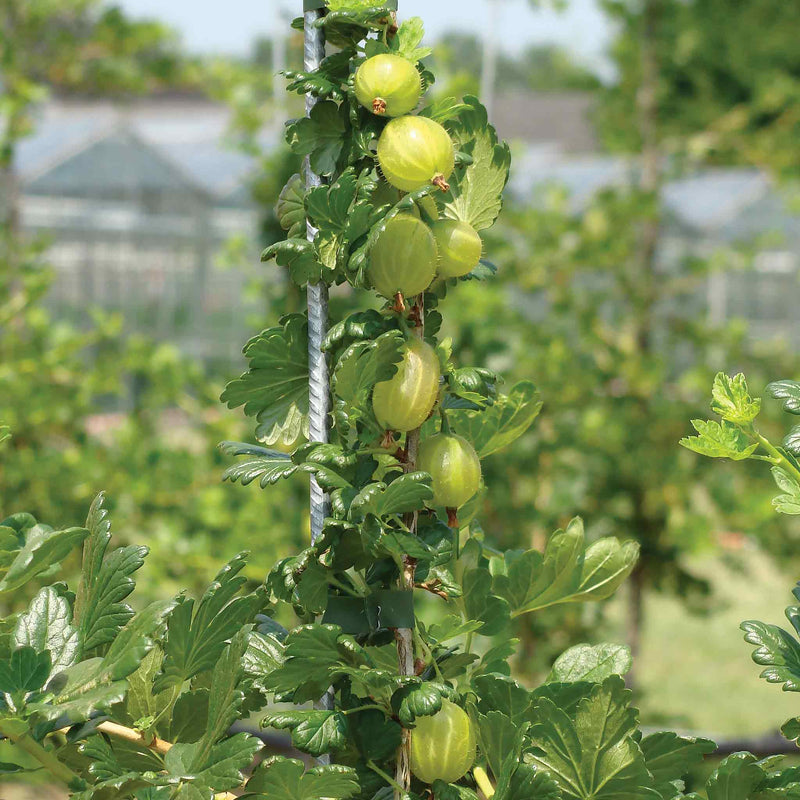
(414, 152)
(388, 85)
(406, 400)
(404, 257)
(459, 247)
(443, 745)
(454, 467)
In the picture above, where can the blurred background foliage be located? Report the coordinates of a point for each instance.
(615, 339)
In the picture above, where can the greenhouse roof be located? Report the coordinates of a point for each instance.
(713, 200)
(88, 148)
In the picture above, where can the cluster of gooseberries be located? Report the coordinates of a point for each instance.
(408, 256)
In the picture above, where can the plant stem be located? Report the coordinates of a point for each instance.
(346, 589)
(778, 458)
(388, 778)
(155, 744)
(405, 636)
(45, 757)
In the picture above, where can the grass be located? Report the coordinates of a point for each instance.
(696, 671)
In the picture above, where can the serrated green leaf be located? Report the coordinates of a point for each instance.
(46, 627)
(789, 502)
(224, 702)
(585, 662)
(314, 656)
(776, 650)
(141, 701)
(417, 700)
(100, 610)
(196, 638)
(732, 401)
(719, 440)
(366, 363)
(791, 441)
(25, 671)
(264, 654)
(735, 778)
(669, 757)
(478, 191)
(567, 572)
(43, 548)
(281, 778)
(320, 136)
(789, 392)
(406, 42)
(501, 423)
(290, 208)
(274, 389)
(406, 493)
(265, 465)
(481, 604)
(313, 732)
(502, 693)
(219, 769)
(497, 736)
(593, 753)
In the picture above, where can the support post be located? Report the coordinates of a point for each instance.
(318, 381)
(319, 399)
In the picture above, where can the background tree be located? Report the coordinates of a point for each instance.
(728, 81)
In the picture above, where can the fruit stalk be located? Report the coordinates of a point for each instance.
(405, 636)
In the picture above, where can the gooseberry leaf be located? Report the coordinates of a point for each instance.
(417, 700)
(777, 650)
(719, 440)
(789, 392)
(791, 441)
(789, 502)
(406, 493)
(197, 636)
(503, 694)
(290, 209)
(46, 627)
(314, 655)
(592, 753)
(735, 778)
(669, 757)
(503, 422)
(481, 604)
(42, 548)
(218, 768)
(406, 42)
(585, 662)
(498, 738)
(313, 732)
(732, 401)
(299, 256)
(320, 136)
(100, 610)
(280, 778)
(274, 389)
(477, 191)
(24, 671)
(568, 571)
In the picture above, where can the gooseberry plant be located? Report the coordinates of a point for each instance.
(394, 671)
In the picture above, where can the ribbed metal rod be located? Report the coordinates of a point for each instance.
(319, 398)
(318, 380)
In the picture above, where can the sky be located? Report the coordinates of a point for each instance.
(208, 26)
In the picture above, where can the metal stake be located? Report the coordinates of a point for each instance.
(319, 403)
(319, 400)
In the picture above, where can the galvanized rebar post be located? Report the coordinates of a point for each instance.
(319, 399)
(318, 380)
